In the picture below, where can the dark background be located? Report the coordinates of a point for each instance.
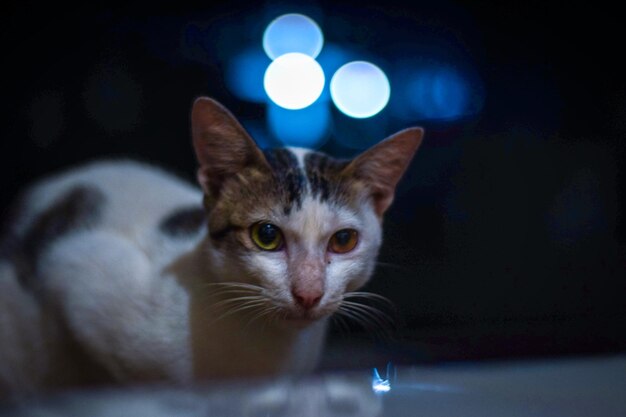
(507, 237)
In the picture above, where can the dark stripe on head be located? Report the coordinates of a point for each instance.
(289, 176)
(183, 222)
(323, 174)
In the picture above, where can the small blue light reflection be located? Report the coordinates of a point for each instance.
(305, 128)
(381, 385)
(292, 33)
(438, 93)
(244, 75)
(360, 89)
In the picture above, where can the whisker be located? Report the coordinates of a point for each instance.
(341, 323)
(268, 311)
(354, 316)
(369, 296)
(231, 285)
(367, 319)
(245, 306)
(377, 315)
(238, 299)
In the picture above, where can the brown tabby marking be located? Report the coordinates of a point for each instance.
(289, 177)
(324, 176)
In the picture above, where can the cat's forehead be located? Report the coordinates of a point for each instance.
(303, 174)
(316, 218)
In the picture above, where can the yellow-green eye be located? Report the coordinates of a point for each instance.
(266, 236)
(343, 241)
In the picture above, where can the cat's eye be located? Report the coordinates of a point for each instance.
(343, 241)
(266, 236)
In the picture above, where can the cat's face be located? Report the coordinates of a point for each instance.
(296, 228)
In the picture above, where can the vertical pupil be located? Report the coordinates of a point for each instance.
(267, 234)
(343, 237)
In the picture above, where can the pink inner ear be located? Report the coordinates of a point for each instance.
(382, 201)
(203, 180)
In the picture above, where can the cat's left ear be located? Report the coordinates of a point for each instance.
(223, 147)
(382, 166)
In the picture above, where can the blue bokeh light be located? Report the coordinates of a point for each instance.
(244, 75)
(292, 33)
(294, 81)
(360, 89)
(438, 93)
(305, 128)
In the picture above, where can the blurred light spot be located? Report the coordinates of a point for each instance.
(380, 385)
(438, 93)
(294, 81)
(46, 115)
(360, 89)
(292, 33)
(305, 128)
(244, 75)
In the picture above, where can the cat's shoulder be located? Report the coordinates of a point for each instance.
(106, 169)
(110, 175)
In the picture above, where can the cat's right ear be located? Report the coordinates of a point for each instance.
(222, 145)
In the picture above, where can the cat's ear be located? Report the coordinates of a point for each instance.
(222, 145)
(382, 166)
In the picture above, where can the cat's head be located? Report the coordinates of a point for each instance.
(297, 226)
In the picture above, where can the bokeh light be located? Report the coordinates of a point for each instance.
(293, 33)
(294, 81)
(438, 93)
(244, 75)
(305, 128)
(360, 89)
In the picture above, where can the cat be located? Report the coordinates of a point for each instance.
(119, 272)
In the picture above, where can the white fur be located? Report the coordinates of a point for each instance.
(137, 301)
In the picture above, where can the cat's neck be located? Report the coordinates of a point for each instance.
(255, 345)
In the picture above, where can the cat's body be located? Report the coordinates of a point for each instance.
(120, 272)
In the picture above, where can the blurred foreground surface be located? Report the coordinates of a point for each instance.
(573, 387)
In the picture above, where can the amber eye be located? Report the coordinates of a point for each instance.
(266, 236)
(343, 241)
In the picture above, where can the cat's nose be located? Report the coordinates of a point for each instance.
(308, 299)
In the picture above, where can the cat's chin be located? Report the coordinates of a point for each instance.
(301, 321)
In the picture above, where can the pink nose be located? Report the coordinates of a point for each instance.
(307, 300)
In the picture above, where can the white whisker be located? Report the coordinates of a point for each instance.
(373, 312)
(245, 306)
(369, 296)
